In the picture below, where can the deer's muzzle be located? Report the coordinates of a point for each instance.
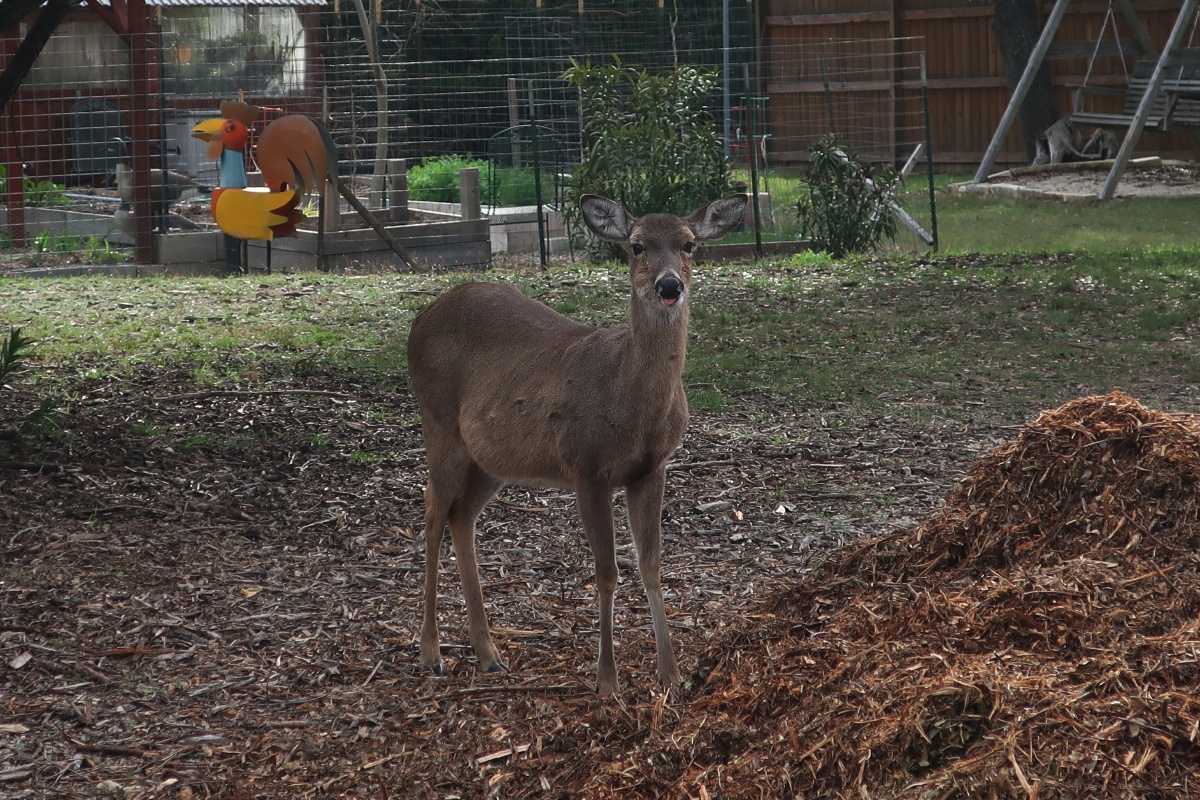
(669, 288)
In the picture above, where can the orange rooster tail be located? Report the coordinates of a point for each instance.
(296, 152)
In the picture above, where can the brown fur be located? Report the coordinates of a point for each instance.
(511, 391)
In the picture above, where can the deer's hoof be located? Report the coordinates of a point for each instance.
(438, 669)
(496, 666)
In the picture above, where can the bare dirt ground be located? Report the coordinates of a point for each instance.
(189, 613)
(1168, 179)
(217, 593)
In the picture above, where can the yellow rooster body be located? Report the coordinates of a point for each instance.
(296, 156)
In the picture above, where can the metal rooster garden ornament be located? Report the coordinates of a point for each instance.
(295, 154)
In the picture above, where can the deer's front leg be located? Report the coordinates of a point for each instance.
(595, 510)
(645, 499)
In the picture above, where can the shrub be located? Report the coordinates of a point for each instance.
(649, 140)
(436, 179)
(515, 186)
(847, 207)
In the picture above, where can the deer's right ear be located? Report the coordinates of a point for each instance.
(608, 219)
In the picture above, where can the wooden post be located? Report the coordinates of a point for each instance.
(1143, 110)
(1014, 104)
(468, 194)
(143, 79)
(397, 171)
(10, 120)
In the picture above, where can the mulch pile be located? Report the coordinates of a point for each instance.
(1037, 637)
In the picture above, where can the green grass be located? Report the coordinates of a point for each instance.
(970, 223)
(896, 334)
(1000, 319)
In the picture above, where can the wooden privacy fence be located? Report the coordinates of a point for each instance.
(879, 95)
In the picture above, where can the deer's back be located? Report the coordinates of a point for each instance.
(476, 332)
(536, 397)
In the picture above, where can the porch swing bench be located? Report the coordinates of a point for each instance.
(1176, 105)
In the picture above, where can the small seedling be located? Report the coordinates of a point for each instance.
(97, 250)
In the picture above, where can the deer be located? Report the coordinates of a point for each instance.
(511, 391)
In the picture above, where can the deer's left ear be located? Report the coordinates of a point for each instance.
(716, 219)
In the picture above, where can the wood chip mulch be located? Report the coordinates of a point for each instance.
(236, 618)
(1037, 637)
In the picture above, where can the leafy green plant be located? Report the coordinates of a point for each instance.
(649, 140)
(45, 193)
(48, 241)
(436, 179)
(847, 206)
(14, 352)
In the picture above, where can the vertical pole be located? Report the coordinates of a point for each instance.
(725, 73)
(543, 245)
(161, 128)
(753, 154)
(141, 81)
(233, 254)
(893, 68)
(828, 96)
(929, 155)
(1143, 110)
(1018, 97)
(514, 119)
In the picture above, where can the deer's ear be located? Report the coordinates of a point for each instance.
(608, 219)
(716, 219)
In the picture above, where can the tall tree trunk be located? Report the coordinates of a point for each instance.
(1016, 28)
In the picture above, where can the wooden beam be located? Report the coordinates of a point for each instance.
(1018, 97)
(1143, 110)
(31, 46)
(809, 20)
(115, 15)
(1139, 30)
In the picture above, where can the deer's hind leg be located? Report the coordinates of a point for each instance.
(445, 476)
(477, 489)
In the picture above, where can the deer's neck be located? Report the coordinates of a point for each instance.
(659, 342)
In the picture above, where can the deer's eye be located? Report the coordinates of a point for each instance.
(689, 247)
(638, 249)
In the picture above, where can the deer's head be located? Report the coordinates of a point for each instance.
(660, 246)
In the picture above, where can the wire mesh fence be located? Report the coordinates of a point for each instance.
(870, 95)
(407, 87)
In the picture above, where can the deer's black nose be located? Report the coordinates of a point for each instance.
(669, 288)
